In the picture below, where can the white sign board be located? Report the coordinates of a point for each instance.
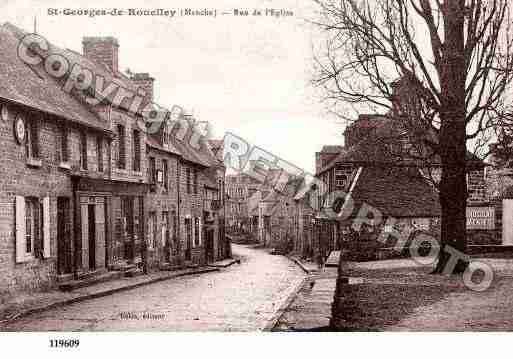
(480, 218)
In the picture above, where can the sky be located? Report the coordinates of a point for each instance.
(245, 75)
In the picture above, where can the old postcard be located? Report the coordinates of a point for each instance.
(257, 166)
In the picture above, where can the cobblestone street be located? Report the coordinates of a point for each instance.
(239, 298)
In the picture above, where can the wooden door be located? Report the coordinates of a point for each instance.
(127, 208)
(209, 245)
(188, 239)
(100, 232)
(91, 223)
(64, 253)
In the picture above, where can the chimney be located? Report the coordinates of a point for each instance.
(360, 129)
(145, 82)
(102, 50)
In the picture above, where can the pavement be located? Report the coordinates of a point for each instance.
(310, 310)
(241, 297)
(400, 295)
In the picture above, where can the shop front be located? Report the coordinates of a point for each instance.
(109, 232)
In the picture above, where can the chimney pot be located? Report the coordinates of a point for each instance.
(102, 50)
(144, 81)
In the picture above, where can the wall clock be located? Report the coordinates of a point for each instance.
(4, 113)
(19, 130)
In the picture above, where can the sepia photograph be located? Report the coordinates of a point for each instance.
(304, 167)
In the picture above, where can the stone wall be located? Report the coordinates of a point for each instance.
(19, 179)
(158, 202)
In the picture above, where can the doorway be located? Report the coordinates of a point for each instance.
(127, 210)
(188, 239)
(209, 245)
(64, 253)
(92, 236)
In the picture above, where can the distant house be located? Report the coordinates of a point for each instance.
(373, 169)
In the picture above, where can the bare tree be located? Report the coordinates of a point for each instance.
(454, 62)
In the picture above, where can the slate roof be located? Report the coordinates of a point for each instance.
(99, 70)
(217, 148)
(210, 182)
(191, 154)
(375, 149)
(396, 191)
(33, 87)
(152, 142)
(331, 148)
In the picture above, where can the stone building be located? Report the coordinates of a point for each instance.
(164, 247)
(186, 219)
(51, 143)
(87, 192)
(372, 169)
(240, 188)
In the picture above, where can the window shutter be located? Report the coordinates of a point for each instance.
(163, 235)
(46, 228)
(200, 231)
(37, 237)
(193, 225)
(20, 230)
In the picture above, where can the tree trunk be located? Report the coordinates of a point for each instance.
(453, 185)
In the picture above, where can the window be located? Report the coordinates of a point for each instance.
(152, 226)
(195, 180)
(64, 144)
(165, 229)
(340, 178)
(174, 232)
(166, 134)
(388, 228)
(188, 179)
(220, 191)
(83, 151)
(121, 147)
(99, 153)
(32, 224)
(138, 215)
(137, 151)
(196, 232)
(166, 174)
(152, 173)
(32, 142)
(32, 228)
(188, 237)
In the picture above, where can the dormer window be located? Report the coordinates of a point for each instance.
(340, 178)
(121, 146)
(166, 134)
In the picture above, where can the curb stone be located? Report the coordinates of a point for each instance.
(301, 265)
(229, 264)
(271, 323)
(104, 293)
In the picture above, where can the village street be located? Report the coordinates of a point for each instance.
(241, 297)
